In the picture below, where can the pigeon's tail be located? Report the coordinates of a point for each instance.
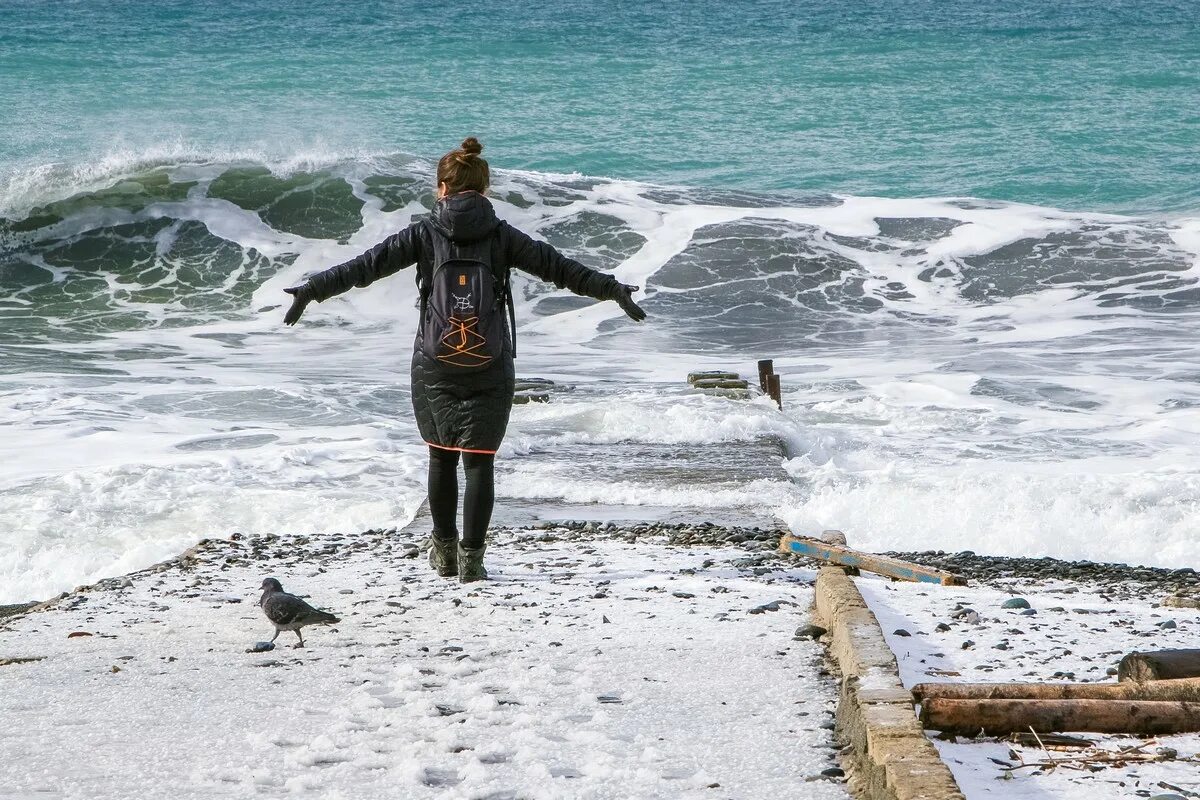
(324, 617)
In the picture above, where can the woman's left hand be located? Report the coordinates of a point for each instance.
(624, 298)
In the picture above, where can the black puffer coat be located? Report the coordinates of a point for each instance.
(465, 411)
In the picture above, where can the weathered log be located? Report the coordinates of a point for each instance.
(882, 565)
(1159, 665)
(1002, 717)
(1182, 690)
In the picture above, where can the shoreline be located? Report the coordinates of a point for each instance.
(1181, 581)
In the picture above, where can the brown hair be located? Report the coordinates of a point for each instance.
(462, 170)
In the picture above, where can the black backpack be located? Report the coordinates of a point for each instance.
(462, 305)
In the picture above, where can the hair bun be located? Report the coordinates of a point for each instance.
(471, 146)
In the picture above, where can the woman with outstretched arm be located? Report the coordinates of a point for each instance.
(462, 367)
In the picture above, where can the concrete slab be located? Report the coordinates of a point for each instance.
(890, 757)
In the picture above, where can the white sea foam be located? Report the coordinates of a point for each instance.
(1038, 416)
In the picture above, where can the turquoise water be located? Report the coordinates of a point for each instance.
(1083, 105)
(968, 234)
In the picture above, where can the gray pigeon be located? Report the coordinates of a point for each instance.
(288, 612)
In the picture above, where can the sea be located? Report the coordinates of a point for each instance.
(967, 233)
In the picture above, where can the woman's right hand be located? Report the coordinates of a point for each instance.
(624, 298)
(300, 300)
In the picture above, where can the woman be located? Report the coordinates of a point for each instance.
(462, 367)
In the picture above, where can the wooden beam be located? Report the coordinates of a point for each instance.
(1187, 689)
(1002, 717)
(882, 565)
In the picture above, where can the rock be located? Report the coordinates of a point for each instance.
(809, 632)
(683, 595)
(13, 610)
(261, 647)
(4, 662)
(605, 620)
(77, 634)
(942, 627)
(1181, 601)
(968, 644)
(765, 607)
(1029, 612)
(1016, 602)
(1167, 624)
(1168, 797)
(901, 632)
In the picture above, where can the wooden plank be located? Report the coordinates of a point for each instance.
(1001, 717)
(882, 565)
(1184, 689)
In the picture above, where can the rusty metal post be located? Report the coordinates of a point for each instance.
(774, 390)
(765, 367)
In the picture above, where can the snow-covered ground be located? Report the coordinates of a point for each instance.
(588, 668)
(1077, 633)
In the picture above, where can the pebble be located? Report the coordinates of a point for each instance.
(1167, 624)
(900, 632)
(833, 772)
(261, 647)
(1016, 602)
(683, 595)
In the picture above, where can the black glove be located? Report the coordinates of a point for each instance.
(301, 297)
(623, 294)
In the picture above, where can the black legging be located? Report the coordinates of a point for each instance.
(443, 494)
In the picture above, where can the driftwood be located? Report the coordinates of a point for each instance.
(1159, 665)
(1090, 759)
(1181, 690)
(1002, 717)
(869, 562)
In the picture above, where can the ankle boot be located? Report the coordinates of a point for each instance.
(470, 564)
(443, 555)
